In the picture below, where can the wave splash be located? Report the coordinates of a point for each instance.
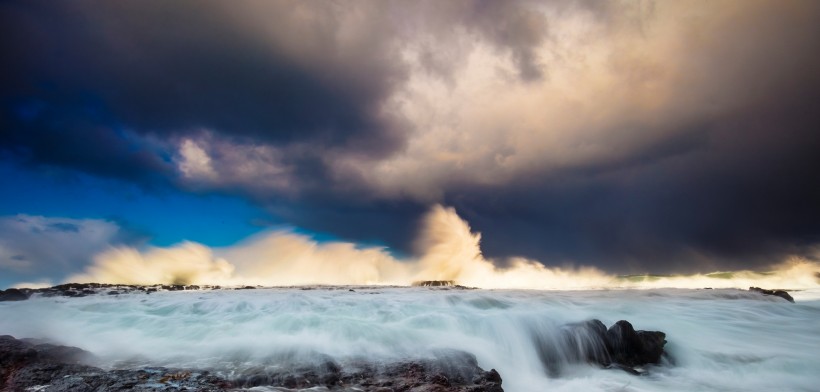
(449, 250)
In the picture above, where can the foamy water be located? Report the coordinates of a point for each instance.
(720, 340)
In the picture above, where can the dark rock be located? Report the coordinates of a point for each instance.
(490, 376)
(778, 293)
(74, 294)
(13, 295)
(620, 347)
(434, 283)
(634, 348)
(25, 364)
(444, 371)
(448, 371)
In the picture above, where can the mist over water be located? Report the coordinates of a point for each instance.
(448, 250)
(719, 340)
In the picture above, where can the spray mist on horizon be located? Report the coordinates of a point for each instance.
(448, 250)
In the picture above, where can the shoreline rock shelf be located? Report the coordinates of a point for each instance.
(32, 365)
(86, 289)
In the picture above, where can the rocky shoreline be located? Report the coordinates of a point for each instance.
(32, 365)
(86, 289)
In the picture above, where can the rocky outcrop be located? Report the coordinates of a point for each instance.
(434, 283)
(31, 365)
(86, 289)
(441, 284)
(13, 295)
(633, 348)
(777, 293)
(447, 371)
(619, 347)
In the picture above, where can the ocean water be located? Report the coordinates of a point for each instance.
(718, 340)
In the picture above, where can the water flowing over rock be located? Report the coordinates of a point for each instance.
(31, 365)
(619, 347)
(777, 293)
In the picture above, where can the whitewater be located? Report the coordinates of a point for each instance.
(718, 340)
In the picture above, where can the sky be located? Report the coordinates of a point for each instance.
(624, 136)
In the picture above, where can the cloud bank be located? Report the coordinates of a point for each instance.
(632, 136)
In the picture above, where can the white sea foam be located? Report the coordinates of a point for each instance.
(721, 340)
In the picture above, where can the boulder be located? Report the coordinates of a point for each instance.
(619, 347)
(777, 293)
(632, 348)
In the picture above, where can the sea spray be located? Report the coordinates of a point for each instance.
(447, 248)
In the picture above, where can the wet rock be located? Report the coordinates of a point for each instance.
(777, 293)
(619, 347)
(30, 364)
(13, 295)
(447, 371)
(293, 371)
(634, 348)
(26, 365)
(434, 283)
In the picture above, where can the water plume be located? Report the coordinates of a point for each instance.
(187, 263)
(447, 248)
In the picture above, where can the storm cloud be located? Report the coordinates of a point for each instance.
(631, 136)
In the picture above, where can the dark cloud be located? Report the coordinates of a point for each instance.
(743, 196)
(635, 137)
(738, 191)
(76, 74)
